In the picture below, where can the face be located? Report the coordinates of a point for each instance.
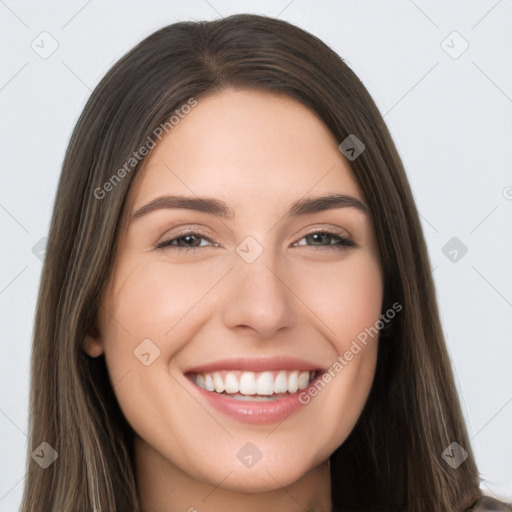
(227, 320)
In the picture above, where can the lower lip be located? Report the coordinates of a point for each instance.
(256, 413)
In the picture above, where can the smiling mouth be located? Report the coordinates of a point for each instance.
(254, 386)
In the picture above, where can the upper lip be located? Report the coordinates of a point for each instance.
(259, 364)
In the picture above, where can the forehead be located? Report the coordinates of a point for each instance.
(249, 144)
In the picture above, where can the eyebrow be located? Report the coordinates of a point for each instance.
(303, 206)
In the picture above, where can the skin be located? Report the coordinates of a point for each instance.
(258, 152)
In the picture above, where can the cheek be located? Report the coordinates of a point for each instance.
(348, 301)
(347, 297)
(148, 317)
(152, 301)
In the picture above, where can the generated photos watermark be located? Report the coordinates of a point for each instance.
(137, 156)
(343, 360)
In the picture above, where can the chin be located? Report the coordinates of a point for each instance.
(265, 475)
(253, 481)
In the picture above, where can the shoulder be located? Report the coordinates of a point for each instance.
(488, 504)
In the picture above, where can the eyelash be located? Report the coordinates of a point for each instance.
(343, 243)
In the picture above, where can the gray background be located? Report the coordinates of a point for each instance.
(449, 113)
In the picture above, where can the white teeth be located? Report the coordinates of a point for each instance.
(248, 383)
(208, 382)
(200, 380)
(218, 382)
(231, 383)
(292, 382)
(281, 382)
(303, 380)
(264, 384)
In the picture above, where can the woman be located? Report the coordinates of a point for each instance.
(236, 310)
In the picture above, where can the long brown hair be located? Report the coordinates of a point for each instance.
(392, 459)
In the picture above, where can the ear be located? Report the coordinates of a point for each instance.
(92, 344)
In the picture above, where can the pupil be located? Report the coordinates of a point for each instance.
(319, 238)
(189, 240)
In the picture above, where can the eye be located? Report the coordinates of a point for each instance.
(325, 240)
(321, 240)
(187, 242)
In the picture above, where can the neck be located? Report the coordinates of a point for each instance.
(163, 487)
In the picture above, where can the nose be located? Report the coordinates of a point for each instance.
(259, 299)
